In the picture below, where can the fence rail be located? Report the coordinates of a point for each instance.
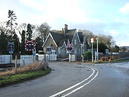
(5, 59)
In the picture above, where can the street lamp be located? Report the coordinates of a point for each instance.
(92, 41)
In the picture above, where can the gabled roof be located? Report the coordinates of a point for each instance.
(59, 37)
(71, 32)
(80, 36)
(50, 35)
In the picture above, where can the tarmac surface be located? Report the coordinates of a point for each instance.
(76, 80)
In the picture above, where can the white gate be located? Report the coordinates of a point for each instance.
(49, 57)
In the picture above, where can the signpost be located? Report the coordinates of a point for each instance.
(30, 46)
(10, 49)
(34, 53)
(69, 50)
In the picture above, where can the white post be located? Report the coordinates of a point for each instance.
(95, 56)
(69, 57)
(92, 41)
(97, 50)
(15, 61)
(92, 54)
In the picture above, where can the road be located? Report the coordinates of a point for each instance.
(75, 80)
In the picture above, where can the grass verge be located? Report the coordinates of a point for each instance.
(17, 78)
(113, 61)
(120, 60)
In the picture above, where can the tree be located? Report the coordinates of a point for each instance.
(21, 27)
(101, 47)
(11, 23)
(3, 42)
(23, 42)
(43, 31)
(107, 40)
(87, 55)
(16, 44)
(123, 49)
(88, 35)
(22, 32)
(39, 44)
(115, 48)
(29, 31)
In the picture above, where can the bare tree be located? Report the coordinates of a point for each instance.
(88, 35)
(43, 31)
(2, 27)
(22, 27)
(108, 40)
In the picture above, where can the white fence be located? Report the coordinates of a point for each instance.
(40, 57)
(26, 59)
(49, 57)
(5, 59)
(72, 57)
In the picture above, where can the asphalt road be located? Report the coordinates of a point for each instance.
(76, 80)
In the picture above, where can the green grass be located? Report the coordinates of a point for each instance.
(120, 60)
(12, 79)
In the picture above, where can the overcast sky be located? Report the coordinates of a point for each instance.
(110, 17)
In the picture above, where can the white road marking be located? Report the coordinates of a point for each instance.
(74, 86)
(80, 86)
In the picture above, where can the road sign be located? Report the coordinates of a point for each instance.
(29, 45)
(69, 47)
(11, 47)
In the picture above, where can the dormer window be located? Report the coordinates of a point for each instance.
(75, 41)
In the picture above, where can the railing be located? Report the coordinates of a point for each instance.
(5, 59)
(26, 59)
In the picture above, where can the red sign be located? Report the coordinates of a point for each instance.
(30, 45)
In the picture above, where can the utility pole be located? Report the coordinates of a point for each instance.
(92, 41)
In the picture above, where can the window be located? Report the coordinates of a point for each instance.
(75, 41)
(48, 49)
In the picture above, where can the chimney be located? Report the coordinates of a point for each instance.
(66, 28)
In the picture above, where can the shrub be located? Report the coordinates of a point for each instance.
(87, 55)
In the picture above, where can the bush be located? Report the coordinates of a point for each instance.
(87, 55)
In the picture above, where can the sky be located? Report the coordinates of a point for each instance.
(108, 17)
